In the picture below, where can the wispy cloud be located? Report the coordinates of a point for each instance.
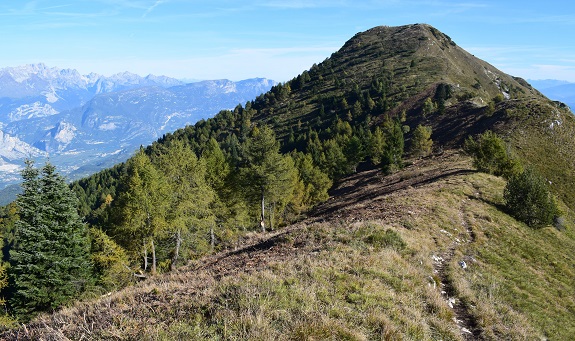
(303, 4)
(151, 8)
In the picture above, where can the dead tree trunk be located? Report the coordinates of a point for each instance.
(145, 255)
(263, 216)
(153, 258)
(212, 237)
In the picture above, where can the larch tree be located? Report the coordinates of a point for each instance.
(50, 256)
(316, 182)
(189, 198)
(217, 177)
(392, 159)
(266, 173)
(376, 146)
(421, 143)
(143, 207)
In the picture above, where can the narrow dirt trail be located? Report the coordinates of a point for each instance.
(466, 322)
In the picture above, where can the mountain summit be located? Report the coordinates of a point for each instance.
(421, 74)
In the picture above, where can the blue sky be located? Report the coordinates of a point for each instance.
(275, 39)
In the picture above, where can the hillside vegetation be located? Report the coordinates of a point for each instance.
(231, 225)
(370, 264)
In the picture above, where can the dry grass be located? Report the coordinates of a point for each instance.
(365, 273)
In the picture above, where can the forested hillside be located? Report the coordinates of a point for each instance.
(390, 97)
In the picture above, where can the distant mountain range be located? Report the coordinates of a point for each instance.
(84, 123)
(562, 91)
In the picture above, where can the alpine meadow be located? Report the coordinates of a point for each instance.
(401, 189)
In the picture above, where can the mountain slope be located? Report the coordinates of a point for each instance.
(392, 71)
(407, 63)
(371, 263)
(425, 253)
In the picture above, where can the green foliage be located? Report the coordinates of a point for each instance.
(442, 93)
(490, 109)
(111, 263)
(217, 167)
(386, 239)
(142, 208)
(498, 98)
(528, 199)
(316, 182)
(393, 154)
(428, 106)
(267, 176)
(188, 212)
(490, 155)
(333, 160)
(376, 145)
(354, 151)
(421, 143)
(50, 259)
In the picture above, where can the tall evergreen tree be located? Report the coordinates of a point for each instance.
(267, 173)
(333, 160)
(50, 257)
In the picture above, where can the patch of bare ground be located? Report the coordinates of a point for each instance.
(365, 195)
(465, 320)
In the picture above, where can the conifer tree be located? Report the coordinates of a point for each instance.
(267, 173)
(528, 199)
(333, 160)
(316, 182)
(50, 257)
(143, 207)
(188, 211)
(393, 153)
(421, 143)
(491, 155)
(376, 146)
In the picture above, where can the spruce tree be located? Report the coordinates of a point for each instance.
(50, 257)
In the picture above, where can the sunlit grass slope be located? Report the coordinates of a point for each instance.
(367, 271)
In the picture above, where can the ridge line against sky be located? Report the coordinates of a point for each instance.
(273, 39)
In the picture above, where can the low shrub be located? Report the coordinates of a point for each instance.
(528, 199)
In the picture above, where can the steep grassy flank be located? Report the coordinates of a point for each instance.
(370, 264)
(541, 133)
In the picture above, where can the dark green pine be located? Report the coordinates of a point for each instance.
(50, 259)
